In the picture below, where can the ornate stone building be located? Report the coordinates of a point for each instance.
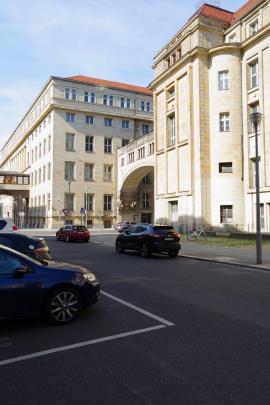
(207, 80)
(67, 143)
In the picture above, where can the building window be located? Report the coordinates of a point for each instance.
(70, 139)
(141, 152)
(125, 124)
(89, 119)
(93, 98)
(69, 201)
(108, 122)
(69, 171)
(253, 27)
(146, 203)
(39, 175)
(67, 92)
(225, 167)
(111, 101)
(146, 179)
(88, 202)
(49, 202)
(145, 129)
(131, 157)
(107, 202)
(49, 171)
(142, 106)
(105, 99)
(125, 142)
(122, 162)
(89, 143)
(151, 148)
(44, 174)
(70, 117)
(49, 143)
(122, 102)
(39, 150)
(223, 79)
(86, 97)
(88, 172)
(107, 223)
(148, 106)
(253, 172)
(254, 74)
(224, 122)
(232, 38)
(107, 145)
(171, 130)
(128, 103)
(226, 214)
(107, 173)
(171, 92)
(70, 94)
(44, 147)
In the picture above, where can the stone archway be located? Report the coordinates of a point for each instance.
(136, 195)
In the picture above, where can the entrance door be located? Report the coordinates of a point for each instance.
(146, 218)
(173, 212)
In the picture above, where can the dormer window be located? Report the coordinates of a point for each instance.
(232, 38)
(253, 27)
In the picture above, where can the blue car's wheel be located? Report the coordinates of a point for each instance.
(63, 305)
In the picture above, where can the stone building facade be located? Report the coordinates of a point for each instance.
(207, 80)
(67, 143)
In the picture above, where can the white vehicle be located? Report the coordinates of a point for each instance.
(7, 225)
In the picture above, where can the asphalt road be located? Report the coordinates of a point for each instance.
(168, 331)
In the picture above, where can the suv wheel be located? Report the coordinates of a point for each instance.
(145, 252)
(119, 247)
(63, 306)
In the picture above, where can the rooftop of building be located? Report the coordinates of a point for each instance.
(111, 84)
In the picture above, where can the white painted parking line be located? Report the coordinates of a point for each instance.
(78, 345)
(142, 311)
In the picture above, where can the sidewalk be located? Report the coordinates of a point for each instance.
(242, 256)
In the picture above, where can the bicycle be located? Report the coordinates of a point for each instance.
(195, 234)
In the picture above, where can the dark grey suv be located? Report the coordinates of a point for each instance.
(148, 239)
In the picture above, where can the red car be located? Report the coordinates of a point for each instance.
(72, 233)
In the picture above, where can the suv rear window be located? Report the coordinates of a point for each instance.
(78, 228)
(163, 230)
(2, 223)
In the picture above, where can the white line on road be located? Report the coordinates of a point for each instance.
(142, 311)
(78, 345)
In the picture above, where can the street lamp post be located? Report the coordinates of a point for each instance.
(255, 119)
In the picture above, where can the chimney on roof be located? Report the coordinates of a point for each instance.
(216, 3)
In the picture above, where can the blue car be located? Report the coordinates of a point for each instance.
(30, 288)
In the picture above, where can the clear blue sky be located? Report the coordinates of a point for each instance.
(113, 40)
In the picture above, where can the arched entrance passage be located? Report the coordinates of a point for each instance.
(136, 195)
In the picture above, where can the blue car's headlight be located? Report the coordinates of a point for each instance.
(89, 276)
(81, 278)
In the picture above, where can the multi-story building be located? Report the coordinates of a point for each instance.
(207, 80)
(67, 143)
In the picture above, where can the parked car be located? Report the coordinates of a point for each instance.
(7, 225)
(29, 288)
(33, 247)
(72, 233)
(121, 226)
(149, 239)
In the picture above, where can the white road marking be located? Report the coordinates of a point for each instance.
(142, 311)
(78, 345)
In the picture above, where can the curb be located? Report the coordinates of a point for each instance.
(213, 260)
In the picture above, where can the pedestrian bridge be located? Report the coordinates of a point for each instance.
(14, 184)
(135, 189)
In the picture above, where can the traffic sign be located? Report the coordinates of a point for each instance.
(65, 211)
